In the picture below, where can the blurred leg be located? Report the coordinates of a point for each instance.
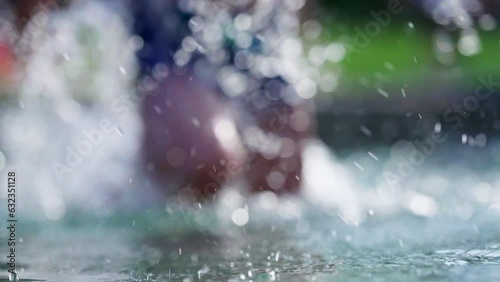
(275, 153)
(190, 139)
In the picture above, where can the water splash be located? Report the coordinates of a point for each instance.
(13, 277)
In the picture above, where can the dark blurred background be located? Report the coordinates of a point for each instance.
(423, 61)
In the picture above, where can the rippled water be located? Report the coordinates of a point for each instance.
(285, 240)
(403, 248)
(440, 223)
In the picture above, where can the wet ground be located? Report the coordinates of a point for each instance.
(440, 224)
(399, 249)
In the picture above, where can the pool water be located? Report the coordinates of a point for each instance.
(353, 222)
(441, 224)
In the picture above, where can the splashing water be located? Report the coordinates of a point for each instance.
(467, 16)
(13, 277)
(78, 180)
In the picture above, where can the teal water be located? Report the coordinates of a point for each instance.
(440, 224)
(156, 247)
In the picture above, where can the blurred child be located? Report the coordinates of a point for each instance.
(235, 101)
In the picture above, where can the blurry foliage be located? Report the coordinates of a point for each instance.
(397, 44)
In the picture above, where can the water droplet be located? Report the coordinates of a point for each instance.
(383, 92)
(389, 66)
(437, 127)
(240, 217)
(487, 22)
(195, 121)
(366, 131)
(119, 130)
(13, 277)
(372, 155)
(469, 43)
(359, 166)
(480, 140)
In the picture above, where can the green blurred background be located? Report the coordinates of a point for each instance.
(402, 63)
